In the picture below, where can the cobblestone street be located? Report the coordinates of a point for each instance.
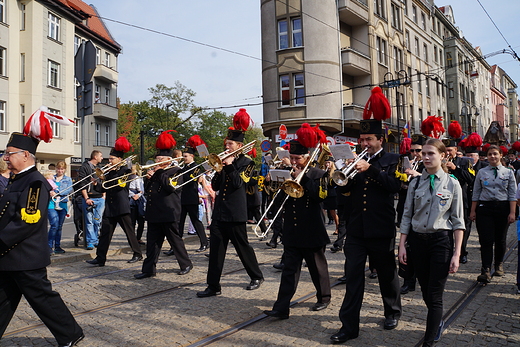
(114, 309)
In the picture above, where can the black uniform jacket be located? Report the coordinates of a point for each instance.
(253, 194)
(465, 175)
(190, 191)
(304, 224)
(23, 223)
(163, 202)
(230, 183)
(117, 202)
(372, 193)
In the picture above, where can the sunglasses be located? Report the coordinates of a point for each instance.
(416, 150)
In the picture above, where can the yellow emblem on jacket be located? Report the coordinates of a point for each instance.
(31, 214)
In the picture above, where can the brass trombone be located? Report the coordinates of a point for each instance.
(140, 172)
(292, 188)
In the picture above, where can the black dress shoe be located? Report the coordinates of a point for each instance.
(390, 323)
(135, 259)
(340, 337)
(406, 288)
(255, 284)
(271, 244)
(372, 275)
(143, 275)
(169, 253)
(279, 266)
(464, 259)
(319, 306)
(208, 292)
(439, 332)
(202, 249)
(276, 314)
(342, 280)
(74, 342)
(186, 270)
(335, 249)
(95, 261)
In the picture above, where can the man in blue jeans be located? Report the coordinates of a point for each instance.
(93, 199)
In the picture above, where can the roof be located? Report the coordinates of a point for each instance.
(94, 23)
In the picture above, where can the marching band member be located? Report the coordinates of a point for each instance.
(163, 206)
(229, 217)
(190, 192)
(304, 234)
(371, 226)
(24, 254)
(117, 207)
(433, 217)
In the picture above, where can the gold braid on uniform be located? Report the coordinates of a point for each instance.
(324, 183)
(31, 214)
(247, 173)
(121, 182)
(261, 180)
(398, 174)
(471, 169)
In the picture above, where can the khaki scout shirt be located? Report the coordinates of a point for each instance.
(427, 211)
(490, 188)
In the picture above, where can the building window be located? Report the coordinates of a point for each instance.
(396, 17)
(451, 92)
(107, 135)
(3, 63)
(107, 96)
(379, 8)
(22, 115)
(417, 49)
(400, 105)
(425, 52)
(398, 59)
(77, 43)
(98, 135)
(54, 27)
(98, 55)
(405, 3)
(298, 89)
(421, 115)
(414, 14)
(433, 24)
(97, 94)
(22, 16)
(407, 39)
(419, 82)
(55, 126)
(77, 122)
(381, 50)
(449, 59)
(22, 67)
(435, 56)
(2, 116)
(427, 81)
(440, 56)
(2, 11)
(296, 33)
(107, 59)
(423, 21)
(54, 74)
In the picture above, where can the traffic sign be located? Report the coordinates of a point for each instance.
(283, 131)
(265, 145)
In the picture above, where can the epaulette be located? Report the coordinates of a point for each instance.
(31, 214)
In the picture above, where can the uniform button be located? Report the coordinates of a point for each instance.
(364, 202)
(364, 209)
(364, 195)
(425, 226)
(365, 188)
(366, 182)
(294, 218)
(426, 212)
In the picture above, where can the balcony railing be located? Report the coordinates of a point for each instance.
(105, 111)
(353, 12)
(354, 62)
(105, 73)
(352, 112)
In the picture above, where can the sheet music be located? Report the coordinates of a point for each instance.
(203, 150)
(280, 175)
(406, 163)
(283, 153)
(341, 152)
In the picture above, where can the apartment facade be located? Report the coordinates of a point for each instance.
(411, 48)
(38, 42)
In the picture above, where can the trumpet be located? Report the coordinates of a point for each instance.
(342, 176)
(292, 188)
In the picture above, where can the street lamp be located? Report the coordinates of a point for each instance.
(465, 113)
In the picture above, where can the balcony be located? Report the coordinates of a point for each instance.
(105, 111)
(352, 113)
(355, 63)
(353, 12)
(106, 74)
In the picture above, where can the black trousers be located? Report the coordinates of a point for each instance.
(492, 229)
(277, 228)
(318, 269)
(108, 225)
(343, 215)
(431, 257)
(220, 235)
(77, 203)
(382, 257)
(257, 215)
(48, 305)
(136, 217)
(193, 211)
(154, 241)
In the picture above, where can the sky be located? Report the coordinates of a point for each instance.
(222, 78)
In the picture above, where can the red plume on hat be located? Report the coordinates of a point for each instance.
(165, 140)
(432, 127)
(377, 105)
(504, 150)
(286, 146)
(473, 140)
(405, 146)
(122, 144)
(322, 137)
(195, 141)
(516, 146)
(242, 121)
(252, 152)
(455, 130)
(486, 147)
(463, 143)
(39, 124)
(307, 136)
